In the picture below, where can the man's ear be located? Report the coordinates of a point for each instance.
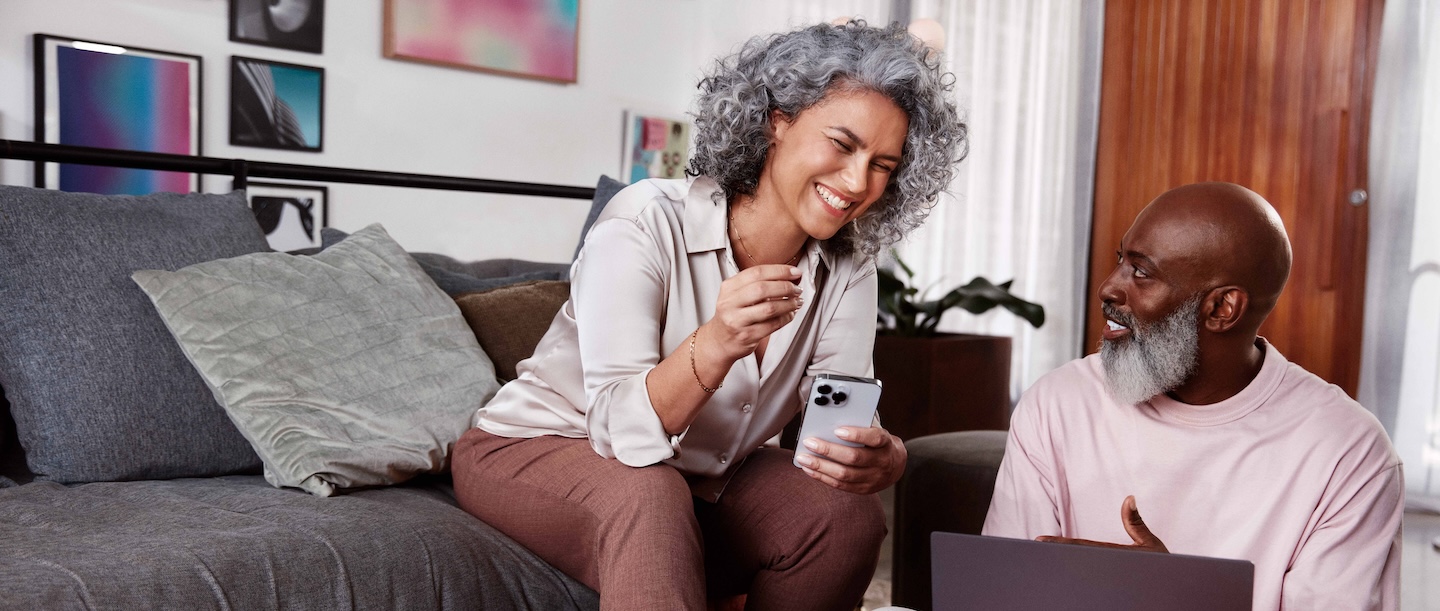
(1224, 307)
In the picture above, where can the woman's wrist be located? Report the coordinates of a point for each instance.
(695, 371)
(709, 363)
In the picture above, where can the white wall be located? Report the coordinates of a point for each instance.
(401, 116)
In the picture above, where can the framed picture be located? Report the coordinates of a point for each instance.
(298, 25)
(290, 214)
(655, 147)
(526, 38)
(110, 96)
(276, 105)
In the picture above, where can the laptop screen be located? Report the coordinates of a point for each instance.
(972, 572)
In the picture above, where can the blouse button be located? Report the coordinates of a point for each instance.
(724, 459)
(746, 408)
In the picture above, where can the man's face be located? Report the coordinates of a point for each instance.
(1151, 305)
(1154, 358)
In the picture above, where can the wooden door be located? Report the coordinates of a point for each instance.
(1270, 94)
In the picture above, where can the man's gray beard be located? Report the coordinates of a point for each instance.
(1154, 360)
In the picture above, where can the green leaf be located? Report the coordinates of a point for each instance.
(909, 273)
(911, 315)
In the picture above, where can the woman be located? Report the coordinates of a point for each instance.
(700, 310)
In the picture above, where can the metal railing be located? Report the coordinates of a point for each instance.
(241, 170)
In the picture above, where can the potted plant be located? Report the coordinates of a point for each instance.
(938, 382)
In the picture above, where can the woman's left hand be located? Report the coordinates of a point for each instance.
(875, 466)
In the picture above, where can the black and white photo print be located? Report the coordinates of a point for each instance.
(291, 215)
(298, 25)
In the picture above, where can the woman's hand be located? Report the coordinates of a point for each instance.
(875, 466)
(752, 304)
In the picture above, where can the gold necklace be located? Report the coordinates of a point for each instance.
(746, 249)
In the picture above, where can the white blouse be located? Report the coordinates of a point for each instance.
(648, 275)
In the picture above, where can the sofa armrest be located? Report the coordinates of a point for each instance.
(947, 485)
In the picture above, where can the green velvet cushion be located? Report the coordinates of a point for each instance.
(344, 369)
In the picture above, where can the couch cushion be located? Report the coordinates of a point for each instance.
(344, 369)
(605, 189)
(509, 321)
(97, 387)
(236, 543)
(457, 278)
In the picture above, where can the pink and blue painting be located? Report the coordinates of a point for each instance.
(120, 98)
(655, 147)
(526, 38)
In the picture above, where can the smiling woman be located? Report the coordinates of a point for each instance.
(700, 311)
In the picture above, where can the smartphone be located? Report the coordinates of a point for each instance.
(837, 401)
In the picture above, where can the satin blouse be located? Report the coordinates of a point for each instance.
(648, 275)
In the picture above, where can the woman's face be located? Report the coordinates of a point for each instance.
(829, 164)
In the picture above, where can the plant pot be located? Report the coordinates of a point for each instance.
(949, 382)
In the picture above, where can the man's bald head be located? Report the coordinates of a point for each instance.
(1197, 273)
(1230, 234)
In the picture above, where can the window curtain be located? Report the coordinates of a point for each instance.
(1028, 84)
(1400, 358)
(727, 24)
(807, 12)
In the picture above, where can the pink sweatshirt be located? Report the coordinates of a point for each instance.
(1290, 474)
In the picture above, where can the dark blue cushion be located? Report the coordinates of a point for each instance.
(98, 388)
(604, 190)
(456, 278)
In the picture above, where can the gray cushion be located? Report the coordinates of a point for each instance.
(236, 543)
(348, 368)
(97, 387)
(457, 278)
(604, 190)
(490, 268)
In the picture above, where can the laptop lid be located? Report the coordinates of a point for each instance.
(972, 572)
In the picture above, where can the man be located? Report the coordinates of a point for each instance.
(1231, 450)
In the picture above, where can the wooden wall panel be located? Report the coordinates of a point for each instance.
(1270, 94)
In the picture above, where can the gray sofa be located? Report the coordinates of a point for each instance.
(123, 485)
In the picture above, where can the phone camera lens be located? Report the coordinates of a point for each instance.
(839, 397)
(823, 389)
(822, 400)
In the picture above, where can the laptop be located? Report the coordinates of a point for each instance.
(973, 572)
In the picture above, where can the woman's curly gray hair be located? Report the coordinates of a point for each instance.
(793, 71)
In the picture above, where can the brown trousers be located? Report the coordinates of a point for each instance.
(636, 536)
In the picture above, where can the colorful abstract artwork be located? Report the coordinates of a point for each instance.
(527, 38)
(276, 105)
(655, 147)
(109, 96)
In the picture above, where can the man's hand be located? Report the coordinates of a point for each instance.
(868, 469)
(1145, 541)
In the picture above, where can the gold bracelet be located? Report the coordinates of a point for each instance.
(696, 372)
